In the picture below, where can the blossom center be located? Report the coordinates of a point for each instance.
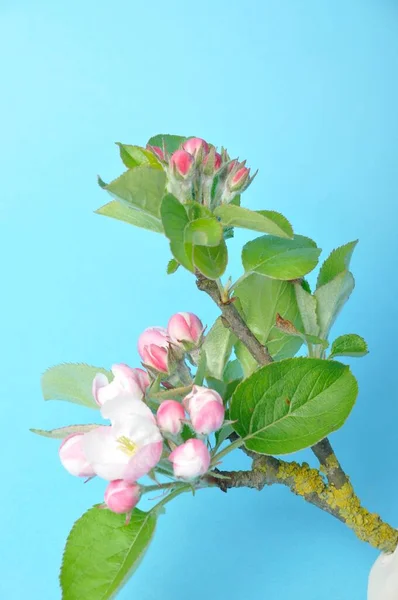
(127, 445)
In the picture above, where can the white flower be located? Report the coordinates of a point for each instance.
(383, 578)
(130, 447)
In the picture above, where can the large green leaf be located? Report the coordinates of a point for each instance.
(261, 298)
(331, 298)
(142, 188)
(135, 156)
(62, 432)
(349, 344)
(203, 232)
(280, 258)
(265, 221)
(71, 382)
(337, 262)
(211, 261)
(218, 346)
(170, 142)
(102, 552)
(128, 214)
(290, 405)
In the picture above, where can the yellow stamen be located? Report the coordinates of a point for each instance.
(127, 446)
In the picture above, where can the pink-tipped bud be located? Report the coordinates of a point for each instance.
(190, 460)
(73, 457)
(158, 152)
(121, 497)
(153, 347)
(206, 409)
(185, 329)
(212, 162)
(169, 416)
(126, 380)
(194, 146)
(239, 179)
(182, 163)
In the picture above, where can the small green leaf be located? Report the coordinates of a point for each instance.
(202, 368)
(350, 344)
(197, 211)
(171, 143)
(172, 266)
(280, 258)
(290, 405)
(142, 188)
(187, 433)
(307, 307)
(203, 232)
(63, 432)
(71, 382)
(265, 221)
(217, 347)
(174, 218)
(331, 298)
(102, 552)
(211, 261)
(232, 371)
(287, 327)
(337, 262)
(135, 156)
(128, 214)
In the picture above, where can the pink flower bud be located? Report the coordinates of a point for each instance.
(185, 328)
(121, 497)
(126, 381)
(169, 416)
(153, 347)
(158, 152)
(73, 458)
(206, 409)
(190, 460)
(212, 162)
(182, 163)
(239, 179)
(195, 145)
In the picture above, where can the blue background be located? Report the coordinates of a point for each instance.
(305, 90)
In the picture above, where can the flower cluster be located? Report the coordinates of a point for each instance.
(196, 171)
(144, 429)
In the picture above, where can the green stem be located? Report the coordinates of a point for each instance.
(181, 490)
(237, 444)
(173, 393)
(159, 486)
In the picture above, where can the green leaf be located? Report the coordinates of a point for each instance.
(211, 261)
(171, 143)
(261, 299)
(280, 258)
(175, 219)
(350, 344)
(233, 370)
(203, 232)
(202, 367)
(172, 266)
(63, 432)
(142, 188)
(221, 435)
(135, 156)
(265, 221)
(197, 211)
(128, 214)
(287, 327)
(187, 433)
(331, 298)
(307, 307)
(337, 262)
(287, 406)
(71, 382)
(102, 552)
(217, 347)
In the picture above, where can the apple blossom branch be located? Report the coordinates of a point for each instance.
(336, 496)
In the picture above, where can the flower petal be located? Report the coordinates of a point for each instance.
(143, 461)
(104, 453)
